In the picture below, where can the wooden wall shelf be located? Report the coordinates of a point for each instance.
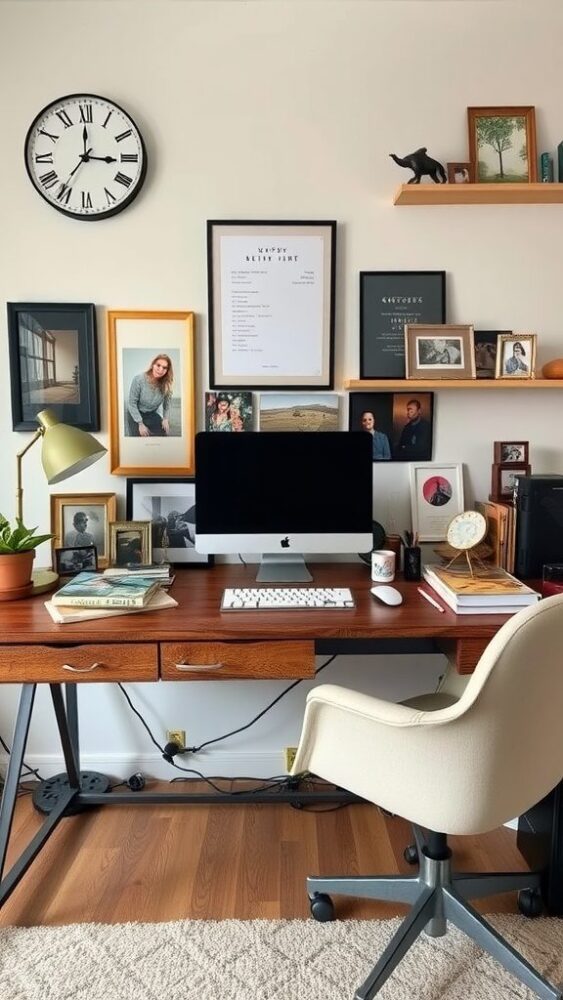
(410, 384)
(479, 194)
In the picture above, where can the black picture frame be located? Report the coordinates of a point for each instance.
(141, 495)
(73, 559)
(388, 301)
(53, 363)
(485, 343)
(407, 441)
(289, 343)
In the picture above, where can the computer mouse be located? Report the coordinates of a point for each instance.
(388, 595)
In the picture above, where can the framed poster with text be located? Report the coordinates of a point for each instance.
(388, 301)
(271, 304)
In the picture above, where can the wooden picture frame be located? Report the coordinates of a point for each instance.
(291, 266)
(130, 543)
(158, 499)
(511, 452)
(502, 144)
(72, 531)
(460, 173)
(71, 560)
(436, 497)
(53, 363)
(503, 479)
(439, 351)
(516, 356)
(151, 361)
(388, 301)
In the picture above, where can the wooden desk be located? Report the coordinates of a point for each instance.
(171, 644)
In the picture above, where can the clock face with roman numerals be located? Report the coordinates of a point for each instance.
(85, 156)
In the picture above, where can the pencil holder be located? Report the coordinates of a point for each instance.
(411, 563)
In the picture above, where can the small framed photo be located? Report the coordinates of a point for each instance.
(485, 343)
(436, 497)
(130, 543)
(502, 144)
(516, 355)
(82, 559)
(53, 363)
(400, 423)
(169, 505)
(437, 351)
(504, 479)
(151, 393)
(82, 519)
(271, 304)
(506, 452)
(228, 411)
(460, 173)
(299, 411)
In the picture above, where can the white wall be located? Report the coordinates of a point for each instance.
(281, 110)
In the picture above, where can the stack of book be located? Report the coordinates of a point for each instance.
(150, 571)
(490, 591)
(97, 595)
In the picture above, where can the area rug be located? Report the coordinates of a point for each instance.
(261, 960)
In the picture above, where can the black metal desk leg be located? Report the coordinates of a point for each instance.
(7, 805)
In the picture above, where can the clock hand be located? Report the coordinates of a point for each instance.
(84, 157)
(85, 140)
(105, 159)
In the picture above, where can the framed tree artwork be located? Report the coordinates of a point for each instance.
(502, 144)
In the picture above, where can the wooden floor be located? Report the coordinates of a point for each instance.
(155, 863)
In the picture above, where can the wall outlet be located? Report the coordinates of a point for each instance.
(176, 736)
(289, 757)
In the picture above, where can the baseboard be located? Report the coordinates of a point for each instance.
(121, 766)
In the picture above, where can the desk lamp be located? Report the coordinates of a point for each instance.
(65, 451)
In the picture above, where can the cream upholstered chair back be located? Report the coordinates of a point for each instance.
(463, 769)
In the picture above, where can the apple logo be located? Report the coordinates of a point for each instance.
(284, 542)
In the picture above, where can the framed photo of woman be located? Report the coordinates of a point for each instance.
(151, 376)
(516, 355)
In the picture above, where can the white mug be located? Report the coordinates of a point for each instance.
(383, 565)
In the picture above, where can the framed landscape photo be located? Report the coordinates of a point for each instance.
(389, 300)
(502, 144)
(401, 423)
(169, 505)
(299, 411)
(151, 392)
(485, 343)
(82, 519)
(80, 559)
(436, 497)
(511, 451)
(53, 363)
(516, 355)
(130, 543)
(271, 304)
(436, 351)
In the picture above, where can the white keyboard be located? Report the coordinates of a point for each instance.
(286, 598)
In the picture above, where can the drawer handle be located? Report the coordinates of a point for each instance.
(81, 670)
(203, 667)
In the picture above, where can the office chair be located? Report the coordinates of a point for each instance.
(465, 768)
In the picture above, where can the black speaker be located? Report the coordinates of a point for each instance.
(539, 523)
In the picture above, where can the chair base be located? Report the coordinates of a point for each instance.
(437, 896)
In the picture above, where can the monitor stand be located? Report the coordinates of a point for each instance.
(283, 567)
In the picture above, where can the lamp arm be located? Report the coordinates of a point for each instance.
(19, 492)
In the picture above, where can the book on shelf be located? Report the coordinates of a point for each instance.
(62, 614)
(491, 587)
(497, 517)
(94, 590)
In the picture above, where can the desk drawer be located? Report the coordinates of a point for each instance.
(96, 662)
(198, 661)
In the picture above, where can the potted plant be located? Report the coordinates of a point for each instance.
(17, 551)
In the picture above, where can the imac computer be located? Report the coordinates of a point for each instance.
(284, 493)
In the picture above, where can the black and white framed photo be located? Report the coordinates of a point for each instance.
(169, 504)
(78, 559)
(53, 363)
(79, 519)
(271, 304)
(485, 343)
(400, 423)
(388, 301)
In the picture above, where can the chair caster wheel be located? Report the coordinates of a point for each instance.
(322, 907)
(530, 902)
(410, 854)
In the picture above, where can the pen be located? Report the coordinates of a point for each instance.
(430, 599)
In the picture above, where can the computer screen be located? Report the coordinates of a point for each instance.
(281, 494)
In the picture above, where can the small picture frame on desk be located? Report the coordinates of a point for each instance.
(506, 452)
(81, 559)
(169, 505)
(504, 480)
(82, 519)
(436, 497)
(130, 543)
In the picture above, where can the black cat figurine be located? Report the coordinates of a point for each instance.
(421, 164)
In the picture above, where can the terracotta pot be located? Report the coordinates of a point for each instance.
(15, 574)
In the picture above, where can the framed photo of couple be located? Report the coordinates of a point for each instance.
(151, 382)
(400, 423)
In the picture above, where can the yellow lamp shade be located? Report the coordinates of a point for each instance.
(66, 450)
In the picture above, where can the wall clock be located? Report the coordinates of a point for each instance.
(85, 156)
